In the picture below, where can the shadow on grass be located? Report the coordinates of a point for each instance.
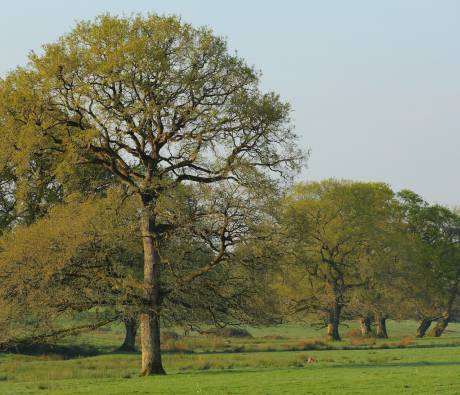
(417, 364)
(86, 350)
(306, 368)
(63, 351)
(243, 350)
(235, 371)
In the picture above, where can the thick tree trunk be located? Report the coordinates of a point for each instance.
(423, 327)
(381, 327)
(150, 318)
(333, 323)
(441, 325)
(365, 326)
(129, 344)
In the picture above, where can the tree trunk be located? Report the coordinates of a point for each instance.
(129, 343)
(441, 325)
(382, 327)
(365, 326)
(333, 324)
(423, 327)
(150, 318)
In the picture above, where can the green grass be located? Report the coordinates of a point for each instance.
(427, 366)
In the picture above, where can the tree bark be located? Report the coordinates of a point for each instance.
(150, 318)
(382, 327)
(129, 344)
(423, 327)
(333, 323)
(441, 323)
(365, 326)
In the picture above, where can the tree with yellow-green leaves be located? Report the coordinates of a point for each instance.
(85, 256)
(73, 260)
(333, 230)
(156, 103)
(434, 281)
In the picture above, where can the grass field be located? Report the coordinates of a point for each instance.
(274, 361)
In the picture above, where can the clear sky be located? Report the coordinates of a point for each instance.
(374, 85)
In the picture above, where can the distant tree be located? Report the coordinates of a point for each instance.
(436, 261)
(331, 227)
(157, 103)
(386, 274)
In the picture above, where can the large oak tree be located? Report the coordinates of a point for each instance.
(158, 103)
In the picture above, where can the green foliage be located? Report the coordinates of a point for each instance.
(333, 228)
(435, 258)
(76, 258)
(148, 98)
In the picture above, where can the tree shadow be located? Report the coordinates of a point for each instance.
(395, 364)
(62, 351)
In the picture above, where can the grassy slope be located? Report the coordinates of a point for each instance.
(434, 370)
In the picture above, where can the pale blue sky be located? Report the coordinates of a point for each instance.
(374, 84)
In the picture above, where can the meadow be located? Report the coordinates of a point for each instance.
(273, 361)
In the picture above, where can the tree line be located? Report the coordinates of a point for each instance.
(358, 250)
(146, 178)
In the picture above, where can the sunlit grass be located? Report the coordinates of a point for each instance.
(260, 364)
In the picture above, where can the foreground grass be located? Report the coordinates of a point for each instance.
(418, 369)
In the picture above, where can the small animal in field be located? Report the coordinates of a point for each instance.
(311, 360)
